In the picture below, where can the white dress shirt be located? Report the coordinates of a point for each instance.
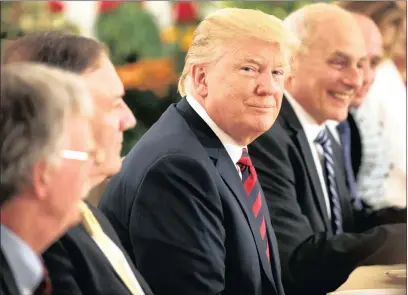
(312, 129)
(23, 261)
(234, 150)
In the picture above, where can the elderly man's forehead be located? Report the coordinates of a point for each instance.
(369, 29)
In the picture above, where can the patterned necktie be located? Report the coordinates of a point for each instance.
(344, 131)
(324, 140)
(252, 188)
(111, 251)
(45, 287)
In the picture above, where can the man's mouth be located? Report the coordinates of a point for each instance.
(344, 96)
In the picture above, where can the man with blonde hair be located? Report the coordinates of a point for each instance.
(186, 203)
(46, 143)
(323, 232)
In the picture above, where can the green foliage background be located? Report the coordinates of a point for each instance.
(131, 33)
(279, 9)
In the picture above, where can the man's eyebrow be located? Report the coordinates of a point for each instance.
(340, 54)
(253, 60)
(347, 56)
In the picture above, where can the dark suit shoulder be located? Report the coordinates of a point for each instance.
(274, 155)
(78, 267)
(178, 223)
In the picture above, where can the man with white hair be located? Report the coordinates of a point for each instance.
(323, 233)
(88, 258)
(187, 204)
(381, 181)
(46, 148)
(362, 135)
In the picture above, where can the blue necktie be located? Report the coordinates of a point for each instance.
(337, 222)
(344, 131)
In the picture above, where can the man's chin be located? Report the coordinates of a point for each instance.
(114, 167)
(358, 101)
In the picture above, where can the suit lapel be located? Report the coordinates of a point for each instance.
(341, 181)
(355, 145)
(229, 174)
(98, 251)
(303, 146)
(275, 260)
(298, 135)
(7, 279)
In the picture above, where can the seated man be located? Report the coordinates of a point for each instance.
(362, 135)
(89, 258)
(323, 233)
(386, 101)
(46, 145)
(186, 203)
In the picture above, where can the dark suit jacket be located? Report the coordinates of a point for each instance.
(356, 149)
(313, 260)
(180, 209)
(77, 266)
(8, 285)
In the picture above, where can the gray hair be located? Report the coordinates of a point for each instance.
(36, 102)
(305, 22)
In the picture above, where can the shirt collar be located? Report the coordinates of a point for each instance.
(233, 149)
(332, 126)
(25, 265)
(309, 125)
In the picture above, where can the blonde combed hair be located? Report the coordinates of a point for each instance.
(228, 26)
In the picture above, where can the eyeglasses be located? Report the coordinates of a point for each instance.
(74, 155)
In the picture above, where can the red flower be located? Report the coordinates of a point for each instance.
(55, 6)
(184, 12)
(108, 6)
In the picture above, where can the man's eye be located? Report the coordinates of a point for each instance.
(338, 64)
(374, 63)
(278, 72)
(247, 69)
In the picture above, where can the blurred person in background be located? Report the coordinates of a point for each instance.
(89, 258)
(46, 158)
(186, 203)
(323, 232)
(386, 99)
(362, 136)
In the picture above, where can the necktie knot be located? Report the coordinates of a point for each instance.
(45, 287)
(323, 138)
(245, 160)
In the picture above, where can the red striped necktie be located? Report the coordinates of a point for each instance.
(45, 287)
(252, 188)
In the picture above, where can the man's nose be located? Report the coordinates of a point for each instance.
(127, 119)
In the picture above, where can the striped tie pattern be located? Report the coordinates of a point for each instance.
(324, 140)
(252, 188)
(45, 287)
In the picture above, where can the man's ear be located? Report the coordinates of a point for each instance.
(41, 178)
(199, 80)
